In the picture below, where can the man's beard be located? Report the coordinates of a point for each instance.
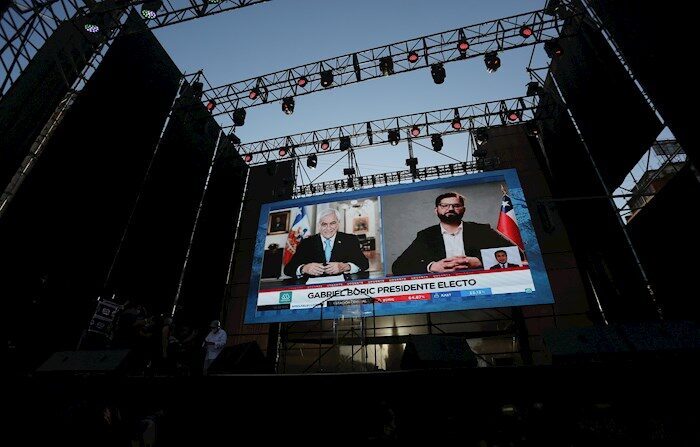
(451, 218)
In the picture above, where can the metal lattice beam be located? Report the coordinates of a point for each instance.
(24, 29)
(390, 178)
(373, 133)
(496, 35)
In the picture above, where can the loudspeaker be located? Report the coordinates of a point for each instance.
(437, 351)
(86, 362)
(244, 358)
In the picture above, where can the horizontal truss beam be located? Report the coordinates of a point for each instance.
(374, 133)
(24, 30)
(495, 35)
(391, 178)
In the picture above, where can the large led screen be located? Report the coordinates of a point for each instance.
(449, 244)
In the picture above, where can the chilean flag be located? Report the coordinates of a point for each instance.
(300, 230)
(507, 223)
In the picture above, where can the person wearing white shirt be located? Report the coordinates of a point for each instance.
(452, 245)
(214, 343)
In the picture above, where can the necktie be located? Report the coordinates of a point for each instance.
(327, 250)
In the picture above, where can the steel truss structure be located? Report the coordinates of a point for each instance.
(26, 24)
(496, 35)
(373, 133)
(392, 178)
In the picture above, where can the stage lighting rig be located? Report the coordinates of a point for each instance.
(326, 78)
(288, 105)
(534, 89)
(526, 31)
(456, 121)
(462, 44)
(513, 116)
(386, 66)
(302, 81)
(325, 145)
(412, 57)
(437, 71)
(415, 131)
(553, 49)
(436, 142)
(481, 136)
(149, 10)
(312, 161)
(394, 136)
(239, 117)
(492, 61)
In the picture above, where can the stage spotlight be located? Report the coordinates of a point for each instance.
(462, 44)
(239, 117)
(394, 136)
(386, 66)
(526, 31)
(534, 88)
(437, 71)
(254, 93)
(325, 145)
(247, 158)
(415, 131)
(492, 61)
(312, 161)
(436, 141)
(345, 143)
(481, 136)
(271, 167)
(456, 121)
(513, 116)
(349, 171)
(552, 48)
(283, 151)
(302, 81)
(326, 78)
(149, 9)
(288, 105)
(412, 163)
(412, 57)
(531, 129)
(211, 104)
(92, 28)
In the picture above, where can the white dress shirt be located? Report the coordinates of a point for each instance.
(219, 340)
(353, 267)
(454, 243)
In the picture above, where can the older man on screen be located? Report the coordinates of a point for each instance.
(330, 252)
(451, 245)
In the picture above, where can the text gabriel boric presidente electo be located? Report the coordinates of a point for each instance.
(372, 291)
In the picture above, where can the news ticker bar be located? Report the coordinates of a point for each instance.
(482, 283)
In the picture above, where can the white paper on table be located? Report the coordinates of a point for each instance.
(325, 279)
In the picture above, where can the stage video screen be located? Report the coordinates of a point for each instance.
(442, 245)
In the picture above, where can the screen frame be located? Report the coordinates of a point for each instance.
(543, 293)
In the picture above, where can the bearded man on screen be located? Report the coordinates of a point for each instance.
(452, 245)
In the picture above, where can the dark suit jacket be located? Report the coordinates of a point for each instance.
(498, 266)
(429, 246)
(345, 249)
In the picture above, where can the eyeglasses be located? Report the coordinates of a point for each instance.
(444, 206)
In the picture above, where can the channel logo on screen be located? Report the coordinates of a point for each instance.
(285, 297)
